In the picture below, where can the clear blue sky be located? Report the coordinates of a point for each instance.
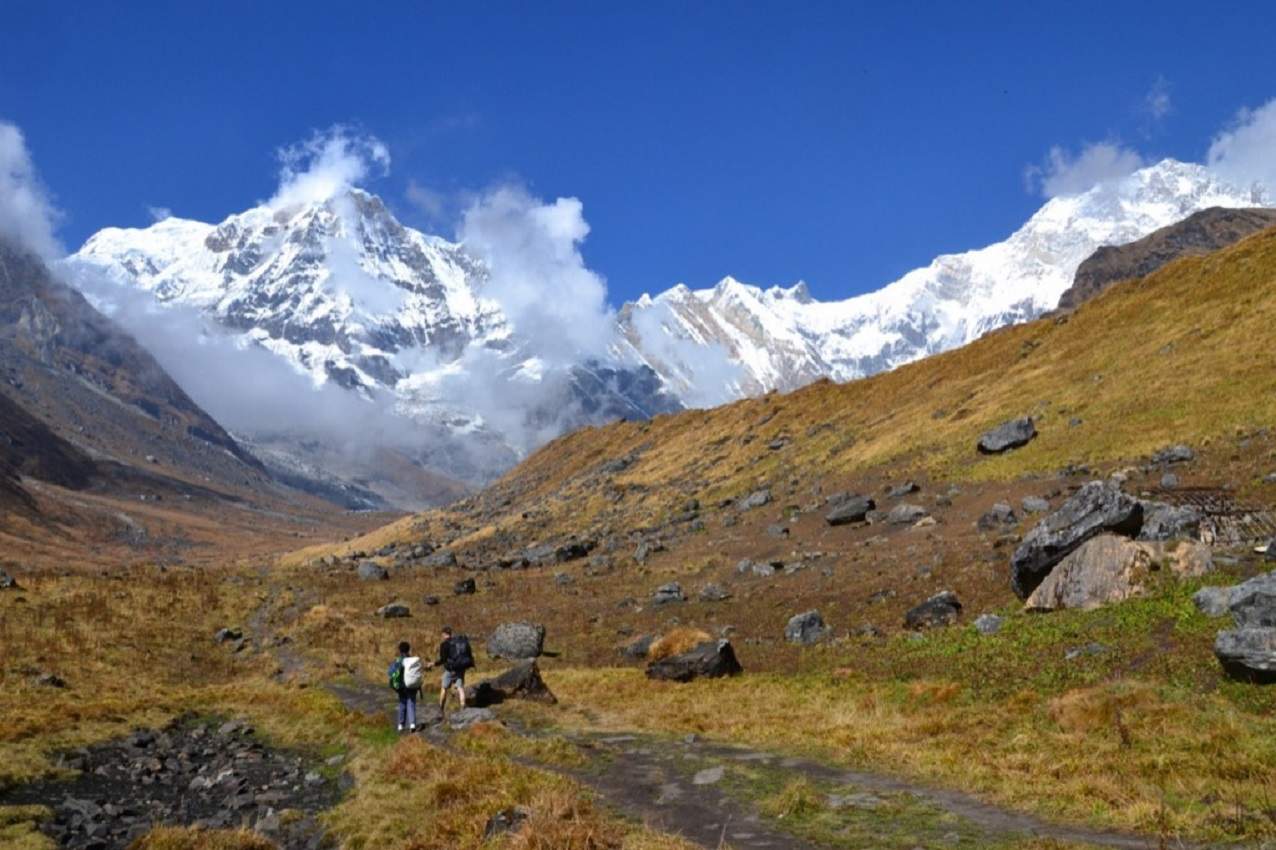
(842, 143)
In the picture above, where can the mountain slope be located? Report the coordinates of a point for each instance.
(96, 388)
(781, 338)
(1199, 233)
(1182, 355)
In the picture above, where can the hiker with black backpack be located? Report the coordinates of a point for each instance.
(455, 656)
(407, 673)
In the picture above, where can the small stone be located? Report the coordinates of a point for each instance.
(464, 587)
(988, 624)
(666, 593)
(805, 628)
(1169, 481)
(394, 610)
(709, 776)
(1034, 505)
(714, 593)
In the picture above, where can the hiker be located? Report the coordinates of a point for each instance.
(455, 656)
(406, 675)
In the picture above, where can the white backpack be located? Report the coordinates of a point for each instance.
(413, 672)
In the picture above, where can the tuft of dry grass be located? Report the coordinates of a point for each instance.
(180, 838)
(676, 642)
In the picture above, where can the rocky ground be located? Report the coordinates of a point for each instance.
(190, 773)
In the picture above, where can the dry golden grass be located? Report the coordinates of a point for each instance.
(676, 642)
(176, 838)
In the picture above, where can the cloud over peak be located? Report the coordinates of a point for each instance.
(27, 214)
(1066, 173)
(329, 162)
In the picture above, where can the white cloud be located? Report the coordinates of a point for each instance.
(1066, 173)
(326, 164)
(159, 213)
(1157, 103)
(537, 274)
(27, 214)
(1245, 152)
(432, 202)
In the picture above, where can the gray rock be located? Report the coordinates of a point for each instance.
(464, 587)
(509, 820)
(849, 510)
(899, 491)
(1034, 505)
(464, 718)
(443, 558)
(430, 600)
(709, 776)
(942, 609)
(8, 582)
(1253, 602)
(855, 801)
(638, 648)
(777, 530)
(368, 571)
(1248, 654)
(906, 514)
(1169, 522)
(1091, 648)
(1213, 601)
(805, 628)
(1095, 508)
(522, 681)
(666, 593)
(227, 635)
(709, 660)
(646, 549)
(998, 515)
(50, 680)
(516, 641)
(1174, 454)
(1169, 481)
(1007, 436)
(394, 610)
(1103, 570)
(988, 624)
(756, 499)
(714, 593)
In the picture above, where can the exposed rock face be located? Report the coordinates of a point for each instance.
(849, 509)
(805, 629)
(942, 609)
(1095, 508)
(1200, 233)
(1104, 570)
(517, 641)
(709, 660)
(522, 681)
(1007, 436)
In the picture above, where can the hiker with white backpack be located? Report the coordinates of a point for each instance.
(407, 672)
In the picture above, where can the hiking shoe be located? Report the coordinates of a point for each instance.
(400, 728)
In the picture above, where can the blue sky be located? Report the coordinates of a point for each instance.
(840, 143)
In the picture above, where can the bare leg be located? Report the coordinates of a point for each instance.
(442, 700)
(460, 692)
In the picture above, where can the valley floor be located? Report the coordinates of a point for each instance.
(1112, 727)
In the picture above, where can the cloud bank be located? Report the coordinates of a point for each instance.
(327, 163)
(27, 215)
(1068, 173)
(1245, 151)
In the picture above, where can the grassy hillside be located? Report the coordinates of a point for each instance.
(1184, 355)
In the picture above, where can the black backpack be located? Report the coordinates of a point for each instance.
(459, 655)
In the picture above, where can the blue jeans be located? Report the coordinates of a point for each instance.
(407, 707)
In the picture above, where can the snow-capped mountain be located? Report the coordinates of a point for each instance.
(357, 303)
(736, 339)
(350, 298)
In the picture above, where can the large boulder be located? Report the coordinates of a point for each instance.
(1248, 654)
(709, 660)
(850, 509)
(805, 629)
(522, 681)
(516, 641)
(1095, 508)
(1253, 603)
(1104, 570)
(1007, 436)
(942, 609)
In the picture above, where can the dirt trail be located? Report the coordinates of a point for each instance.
(686, 788)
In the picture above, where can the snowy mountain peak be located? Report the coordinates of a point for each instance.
(782, 338)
